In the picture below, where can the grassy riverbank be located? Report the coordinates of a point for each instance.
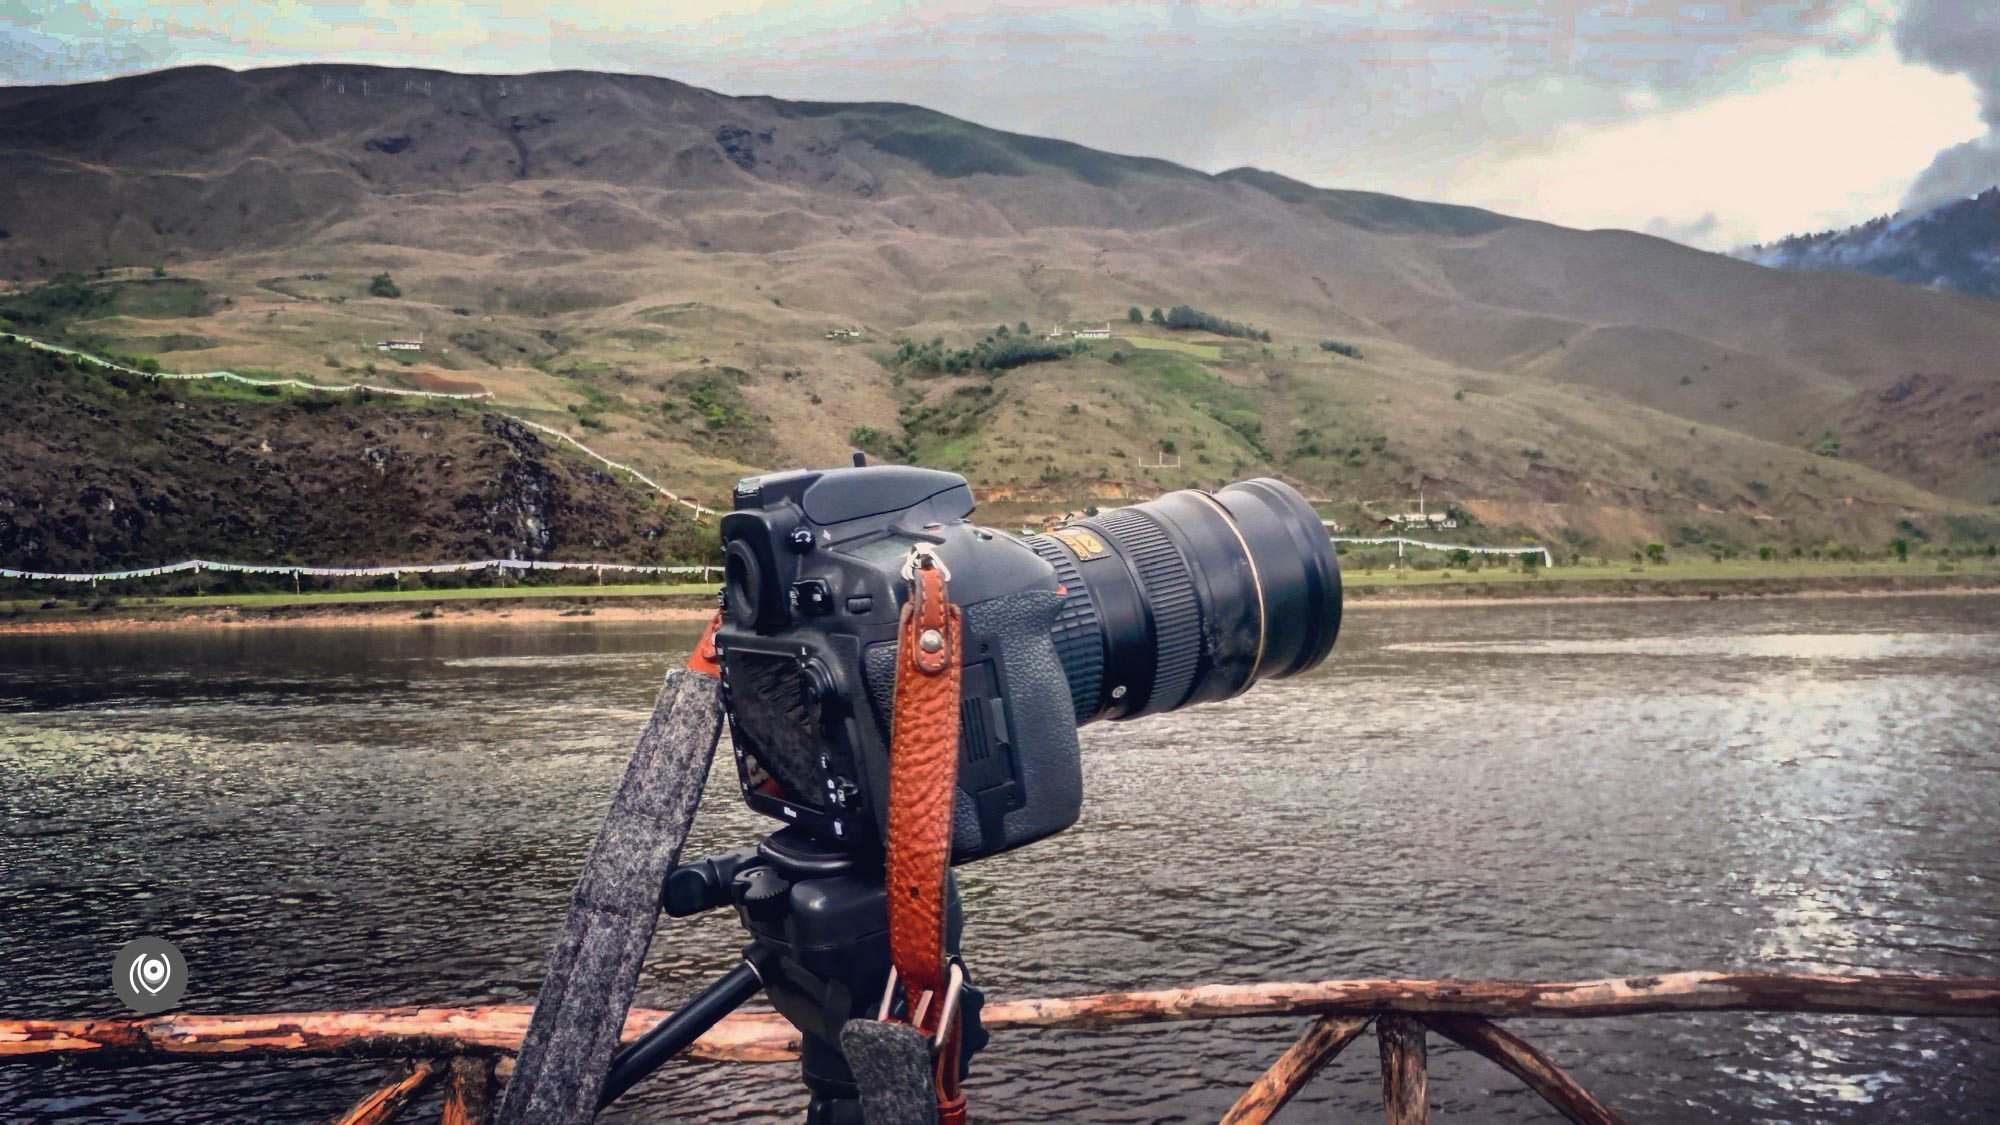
(537, 604)
(1671, 575)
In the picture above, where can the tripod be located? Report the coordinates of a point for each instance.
(818, 921)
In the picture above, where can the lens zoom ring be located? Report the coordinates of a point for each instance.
(1169, 593)
(1079, 639)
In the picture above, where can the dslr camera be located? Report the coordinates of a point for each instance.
(1186, 599)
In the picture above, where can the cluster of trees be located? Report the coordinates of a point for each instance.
(67, 296)
(382, 285)
(998, 352)
(1186, 316)
(1338, 348)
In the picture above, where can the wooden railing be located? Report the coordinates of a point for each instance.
(467, 1048)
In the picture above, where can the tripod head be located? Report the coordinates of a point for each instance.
(818, 921)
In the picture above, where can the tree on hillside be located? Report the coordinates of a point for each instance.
(1022, 328)
(384, 286)
(1656, 552)
(1159, 317)
(1134, 315)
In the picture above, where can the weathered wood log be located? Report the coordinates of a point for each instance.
(384, 1104)
(1630, 996)
(1322, 1041)
(379, 1032)
(406, 1032)
(593, 972)
(1519, 1058)
(1406, 1090)
(468, 1095)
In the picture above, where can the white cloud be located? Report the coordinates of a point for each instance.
(1817, 142)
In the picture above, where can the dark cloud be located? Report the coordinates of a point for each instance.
(1956, 37)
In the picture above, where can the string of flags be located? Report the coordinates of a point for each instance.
(1547, 559)
(352, 571)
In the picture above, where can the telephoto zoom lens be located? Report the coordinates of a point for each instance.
(1191, 598)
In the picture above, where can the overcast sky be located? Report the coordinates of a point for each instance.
(1716, 123)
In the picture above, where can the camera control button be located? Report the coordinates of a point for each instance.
(812, 597)
(861, 604)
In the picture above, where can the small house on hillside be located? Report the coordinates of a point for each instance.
(848, 333)
(399, 345)
(1095, 332)
(1423, 520)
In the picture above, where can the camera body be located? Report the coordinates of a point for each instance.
(814, 562)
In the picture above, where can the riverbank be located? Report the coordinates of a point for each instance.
(693, 603)
(427, 608)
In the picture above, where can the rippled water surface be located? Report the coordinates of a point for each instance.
(328, 818)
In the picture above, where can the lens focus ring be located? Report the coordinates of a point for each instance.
(1169, 593)
(1079, 638)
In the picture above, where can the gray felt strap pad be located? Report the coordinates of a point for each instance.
(594, 969)
(892, 1065)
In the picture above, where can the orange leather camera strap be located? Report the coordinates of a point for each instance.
(923, 773)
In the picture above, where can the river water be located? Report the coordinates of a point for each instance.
(337, 818)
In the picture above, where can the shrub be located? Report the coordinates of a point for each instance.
(382, 285)
(1348, 350)
(1827, 445)
(1188, 317)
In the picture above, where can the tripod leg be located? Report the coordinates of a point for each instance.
(672, 1035)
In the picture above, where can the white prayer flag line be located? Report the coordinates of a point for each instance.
(351, 571)
(1547, 559)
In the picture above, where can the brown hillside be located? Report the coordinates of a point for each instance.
(657, 266)
(106, 470)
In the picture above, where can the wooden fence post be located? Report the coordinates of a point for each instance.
(1405, 1082)
(1325, 1038)
(385, 1103)
(1520, 1058)
(468, 1097)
